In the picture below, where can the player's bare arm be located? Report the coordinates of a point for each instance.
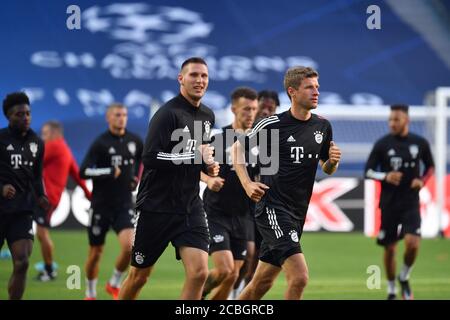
(254, 190)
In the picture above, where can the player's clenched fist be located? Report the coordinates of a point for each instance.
(334, 153)
(213, 169)
(255, 190)
(207, 152)
(8, 191)
(394, 177)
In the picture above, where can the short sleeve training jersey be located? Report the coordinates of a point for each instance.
(403, 154)
(297, 149)
(170, 182)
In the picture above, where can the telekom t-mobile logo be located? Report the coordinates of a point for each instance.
(116, 160)
(191, 143)
(296, 154)
(16, 160)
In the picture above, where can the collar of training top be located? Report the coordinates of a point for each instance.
(17, 133)
(187, 103)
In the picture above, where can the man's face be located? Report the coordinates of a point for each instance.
(307, 94)
(266, 107)
(117, 118)
(245, 112)
(46, 133)
(398, 120)
(20, 117)
(194, 80)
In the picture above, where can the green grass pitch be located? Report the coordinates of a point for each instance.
(337, 264)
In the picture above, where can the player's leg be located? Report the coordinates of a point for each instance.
(192, 246)
(412, 243)
(223, 268)
(238, 246)
(196, 269)
(262, 281)
(124, 227)
(223, 290)
(42, 219)
(220, 251)
(411, 230)
(92, 269)
(134, 282)
(153, 232)
(19, 236)
(253, 260)
(47, 246)
(97, 230)
(296, 275)
(125, 238)
(241, 281)
(387, 238)
(20, 253)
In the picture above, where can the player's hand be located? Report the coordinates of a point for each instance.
(334, 153)
(207, 152)
(43, 203)
(134, 183)
(255, 190)
(394, 177)
(215, 183)
(416, 184)
(8, 191)
(213, 169)
(117, 172)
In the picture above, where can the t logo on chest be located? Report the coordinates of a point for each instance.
(116, 160)
(296, 154)
(16, 160)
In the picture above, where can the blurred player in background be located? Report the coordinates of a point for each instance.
(396, 160)
(59, 163)
(302, 141)
(21, 160)
(113, 163)
(230, 219)
(268, 103)
(168, 205)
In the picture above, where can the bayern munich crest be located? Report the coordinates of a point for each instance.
(318, 136)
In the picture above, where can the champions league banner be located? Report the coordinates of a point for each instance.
(75, 58)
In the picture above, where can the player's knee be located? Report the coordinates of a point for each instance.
(138, 279)
(199, 274)
(96, 252)
(299, 280)
(391, 249)
(412, 246)
(234, 276)
(262, 286)
(224, 272)
(21, 265)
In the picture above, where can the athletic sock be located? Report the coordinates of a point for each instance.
(391, 287)
(116, 278)
(405, 272)
(91, 288)
(48, 268)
